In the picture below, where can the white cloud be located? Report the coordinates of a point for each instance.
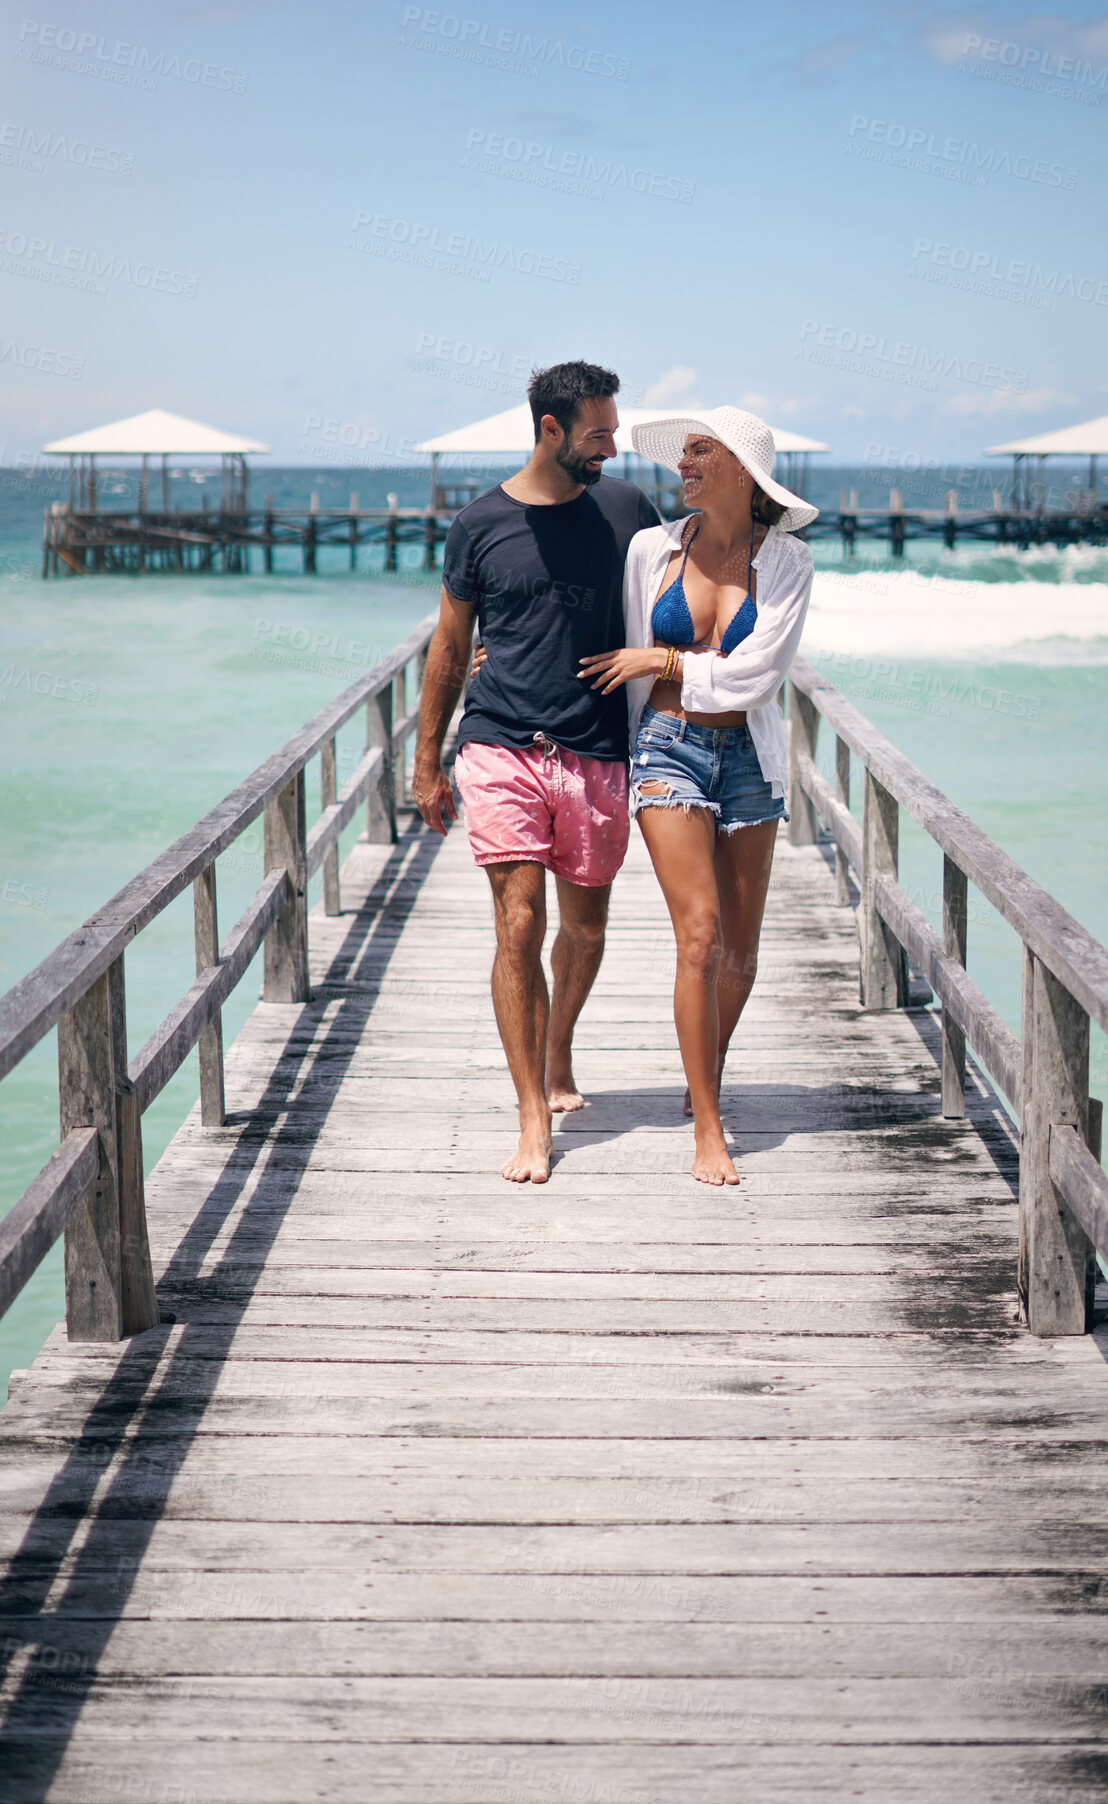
(753, 401)
(672, 389)
(853, 412)
(950, 37)
(987, 402)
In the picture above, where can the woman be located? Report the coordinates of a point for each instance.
(714, 607)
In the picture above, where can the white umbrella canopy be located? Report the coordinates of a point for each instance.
(154, 434)
(1089, 439)
(513, 432)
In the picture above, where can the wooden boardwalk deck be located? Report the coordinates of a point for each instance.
(443, 1492)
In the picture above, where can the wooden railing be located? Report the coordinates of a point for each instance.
(92, 1188)
(1045, 1073)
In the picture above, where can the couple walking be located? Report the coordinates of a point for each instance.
(602, 627)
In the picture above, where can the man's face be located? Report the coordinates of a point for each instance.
(589, 441)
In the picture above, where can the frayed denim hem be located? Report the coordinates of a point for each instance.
(736, 826)
(637, 803)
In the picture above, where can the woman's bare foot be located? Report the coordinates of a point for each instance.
(530, 1163)
(688, 1108)
(713, 1163)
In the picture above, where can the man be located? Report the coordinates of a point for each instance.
(542, 765)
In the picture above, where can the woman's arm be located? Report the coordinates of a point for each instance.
(751, 675)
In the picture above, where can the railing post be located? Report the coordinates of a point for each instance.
(884, 964)
(842, 794)
(328, 794)
(109, 1285)
(286, 943)
(399, 754)
(803, 730)
(955, 917)
(1057, 1263)
(206, 934)
(380, 807)
(139, 1300)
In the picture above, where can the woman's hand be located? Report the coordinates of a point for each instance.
(612, 669)
(480, 656)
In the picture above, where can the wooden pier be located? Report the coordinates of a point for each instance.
(427, 1489)
(80, 542)
(86, 543)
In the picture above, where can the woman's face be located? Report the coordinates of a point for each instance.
(708, 469)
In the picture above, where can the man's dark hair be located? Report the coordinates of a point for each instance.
(561, 389)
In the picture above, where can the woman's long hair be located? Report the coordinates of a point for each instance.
(765, 510)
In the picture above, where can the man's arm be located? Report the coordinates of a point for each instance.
(447, 666)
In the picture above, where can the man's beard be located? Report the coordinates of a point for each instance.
(575, 465)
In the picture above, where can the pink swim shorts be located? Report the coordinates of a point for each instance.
(545, 806)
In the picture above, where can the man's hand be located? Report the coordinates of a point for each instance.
(611, 669)
(447, 662)
(434, 796)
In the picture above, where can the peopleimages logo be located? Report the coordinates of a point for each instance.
(36, 148)
(90, 53)
(1031, 57)
(472, 40)
(568, 171)
(465, 253)
(982, 269)
(961, 157)
(900, 359)
(75, 266)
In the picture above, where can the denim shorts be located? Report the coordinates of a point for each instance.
(703, 767)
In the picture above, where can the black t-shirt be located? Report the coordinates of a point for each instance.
(547, 583)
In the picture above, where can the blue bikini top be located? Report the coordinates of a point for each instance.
(671, 620)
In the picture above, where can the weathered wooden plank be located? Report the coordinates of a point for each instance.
(46, 1449)
(1062, 1603)
(560, 1649)
(614, 1299)
(246, 1403)
(628, 1710)
(135, 1489)
(270, 1772)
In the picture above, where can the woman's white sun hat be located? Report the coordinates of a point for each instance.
(663, 442)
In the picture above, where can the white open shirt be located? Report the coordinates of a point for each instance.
(750, 676)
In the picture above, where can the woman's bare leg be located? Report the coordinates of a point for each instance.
(682, 850)
(743, 861)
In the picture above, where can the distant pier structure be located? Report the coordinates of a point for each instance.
(85, 537)
(82, 536)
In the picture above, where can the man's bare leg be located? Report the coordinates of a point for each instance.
(522, 1007)
(575, 960)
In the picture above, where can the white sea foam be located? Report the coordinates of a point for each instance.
(908, 613)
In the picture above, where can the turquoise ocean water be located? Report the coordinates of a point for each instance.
(129, 706)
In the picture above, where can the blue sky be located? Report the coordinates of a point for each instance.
(343, 227)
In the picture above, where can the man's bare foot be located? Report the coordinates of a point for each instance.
(688, 1108)
(562, 1094)
(530, 1163)
(713, 1163)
